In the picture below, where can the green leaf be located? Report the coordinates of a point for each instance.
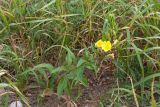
(49, 67)
(80, 76)
(70, 57)
(62, 86)
(81, 62)
(147, 78)
(47, 5)
(59, 69)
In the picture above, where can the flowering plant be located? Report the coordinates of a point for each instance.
(104, 45)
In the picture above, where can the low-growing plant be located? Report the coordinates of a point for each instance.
(67, 76)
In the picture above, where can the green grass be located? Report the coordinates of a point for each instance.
(41, 37)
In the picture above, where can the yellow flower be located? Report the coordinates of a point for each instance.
(99, 43)
(106, 46)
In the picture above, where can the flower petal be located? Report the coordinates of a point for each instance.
(106, 46)
(99, 43)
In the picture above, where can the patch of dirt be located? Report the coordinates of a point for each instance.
(97, 90)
